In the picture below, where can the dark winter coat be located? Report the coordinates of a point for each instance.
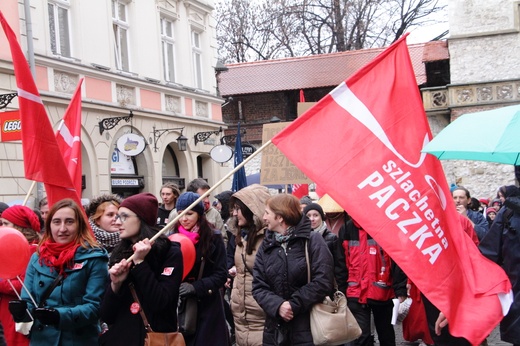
(211, 322)
(157, 289)
(281, 275)
(502, 245)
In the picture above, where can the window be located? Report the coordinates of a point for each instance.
(197, 59)
(59, 27)
(120, 26)
(168, 49)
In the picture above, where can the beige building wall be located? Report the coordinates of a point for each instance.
(109, 92)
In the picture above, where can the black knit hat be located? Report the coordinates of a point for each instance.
(144, 205)
(314, 206)
(186, 199)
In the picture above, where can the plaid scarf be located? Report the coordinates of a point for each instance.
(108, 240)
(283, 238)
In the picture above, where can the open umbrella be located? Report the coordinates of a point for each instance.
(492, 136)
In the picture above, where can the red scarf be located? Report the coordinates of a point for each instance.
(193, 236)
(58, 256)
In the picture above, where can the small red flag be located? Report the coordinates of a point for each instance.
(68, 138)
(302, 96)
(300, 190)
(364, 141)
(42, 158)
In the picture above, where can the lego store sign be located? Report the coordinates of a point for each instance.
(11, 126)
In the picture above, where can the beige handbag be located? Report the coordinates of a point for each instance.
(332, 323)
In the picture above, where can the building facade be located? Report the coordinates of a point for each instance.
(149, 73)
(485, 74)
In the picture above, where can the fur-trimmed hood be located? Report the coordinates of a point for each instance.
(254, 197)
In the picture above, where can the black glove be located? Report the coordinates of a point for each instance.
(186, 289)
(47, 316)
(18, 308)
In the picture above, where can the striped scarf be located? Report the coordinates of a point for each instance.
(108, 240)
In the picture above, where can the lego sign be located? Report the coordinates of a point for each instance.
(11, 126)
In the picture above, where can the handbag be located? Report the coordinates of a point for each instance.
(187, 310)
(23, 320)
(332, 322)
(155, 338)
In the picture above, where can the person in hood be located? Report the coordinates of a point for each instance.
(280, 282)
(248, 207)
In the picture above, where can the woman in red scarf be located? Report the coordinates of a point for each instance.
(67, 255)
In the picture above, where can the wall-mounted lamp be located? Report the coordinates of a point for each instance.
(202, 136)
(182, 141)
(110, 123)
(5, 99)
(230, 138)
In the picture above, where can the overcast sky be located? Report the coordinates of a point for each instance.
(428, 32)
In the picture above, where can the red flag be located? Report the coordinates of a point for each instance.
(302, 96)
(364, 140)
(300, 190)
(42, 158)
(68, 138)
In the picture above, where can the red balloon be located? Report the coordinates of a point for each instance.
(14, 253)
(188, 251)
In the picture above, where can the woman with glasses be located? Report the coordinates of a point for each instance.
(248, 210)
(207, 277)
(154, 275)
(101, 214)
(68, 258)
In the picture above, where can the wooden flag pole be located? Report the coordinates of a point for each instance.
(29, 192)
(226, 177)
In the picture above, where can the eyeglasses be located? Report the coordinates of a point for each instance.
(123, 216)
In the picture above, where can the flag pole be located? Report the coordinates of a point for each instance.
(226, 177)
(29, 192)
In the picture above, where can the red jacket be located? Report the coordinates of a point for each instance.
(365, 270)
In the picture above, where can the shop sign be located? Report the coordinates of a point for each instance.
(131, 144)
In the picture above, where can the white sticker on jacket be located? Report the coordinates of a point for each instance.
(167, 271)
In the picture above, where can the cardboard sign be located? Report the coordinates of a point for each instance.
(276, 167)
(11, 126)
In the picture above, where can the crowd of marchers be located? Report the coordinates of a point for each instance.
(95, 276)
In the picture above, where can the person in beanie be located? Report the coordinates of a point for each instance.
(24, 220)
(3, 206)
(155, 273)
(101, 213)
(315, 213)
(210, 262)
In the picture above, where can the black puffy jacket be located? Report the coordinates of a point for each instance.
(281, 275)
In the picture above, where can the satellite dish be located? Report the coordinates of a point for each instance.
(221, 153)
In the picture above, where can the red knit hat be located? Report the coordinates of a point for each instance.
(144, 205)
(22, 216)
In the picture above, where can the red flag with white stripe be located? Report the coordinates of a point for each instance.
(68, 138)
(362, 144)
(300, 190)
(42, 157)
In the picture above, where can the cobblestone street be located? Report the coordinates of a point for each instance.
(493, 339)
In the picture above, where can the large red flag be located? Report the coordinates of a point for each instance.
(69, 138)
(364, 140)
(42, 158)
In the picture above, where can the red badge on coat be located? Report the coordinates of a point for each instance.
(134, 308)
(77, 266)
(167, 271)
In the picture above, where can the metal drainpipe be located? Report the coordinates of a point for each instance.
(32, 66)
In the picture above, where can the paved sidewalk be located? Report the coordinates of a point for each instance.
(493, 339)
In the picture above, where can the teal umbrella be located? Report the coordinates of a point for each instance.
(492, 136)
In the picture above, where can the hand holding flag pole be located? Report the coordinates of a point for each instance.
(207, 193)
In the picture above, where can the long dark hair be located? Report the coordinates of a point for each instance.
(250, 227)
(160, 247)
(206, 234)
